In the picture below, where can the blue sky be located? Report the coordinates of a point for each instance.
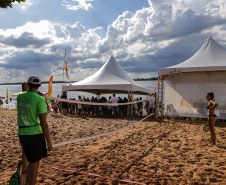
(143, 35)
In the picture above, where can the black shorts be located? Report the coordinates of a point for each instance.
(152, 110)
(64, 105)
(34, 147)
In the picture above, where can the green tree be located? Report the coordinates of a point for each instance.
(8, 3)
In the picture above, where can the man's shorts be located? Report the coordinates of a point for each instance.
(115, 108)
(152, 110)
(34, 147)
(64, 105)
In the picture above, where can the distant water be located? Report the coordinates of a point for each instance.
(57, 91)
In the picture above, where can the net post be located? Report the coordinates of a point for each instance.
(156, 107)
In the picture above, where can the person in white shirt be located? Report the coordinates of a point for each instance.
(115, 107)
(79, 106)
(109, 107)
(151, 101)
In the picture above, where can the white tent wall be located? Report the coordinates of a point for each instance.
(185, 94)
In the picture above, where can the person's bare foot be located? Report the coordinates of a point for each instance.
(212, 144)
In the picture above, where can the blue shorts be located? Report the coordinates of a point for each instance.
(34, 147)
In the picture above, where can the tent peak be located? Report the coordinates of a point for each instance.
(210, 44)
(210, 57)
(109, 78)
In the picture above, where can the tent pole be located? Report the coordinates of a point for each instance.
(132, 93)
(128, 107)
(156, 105)
(159, 107)
(62, 81)
(63, 74)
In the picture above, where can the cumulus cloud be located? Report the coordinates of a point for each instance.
(23, 6)
(75, 31)
(148, 39)
(163, 34)
(25, 40)
(216, 8)
(77, 4)
(171, 19)
(27, 59)
(26, 5)
(46, 49)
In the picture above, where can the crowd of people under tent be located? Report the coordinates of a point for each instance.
(107, 111)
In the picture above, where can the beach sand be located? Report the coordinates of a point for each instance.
(151, 152)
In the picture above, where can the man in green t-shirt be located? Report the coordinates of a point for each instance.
(33, 129)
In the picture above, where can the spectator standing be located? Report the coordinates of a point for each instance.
(151, 102)
(124, 107)
(140, 105)
(109, 107)
(93, 106)
(1, 103)
(120, 107)
(54, 106)
(88, 106)
(64, 104)
(96, 107)
(115, 107)
(104, 108)
(79, 106)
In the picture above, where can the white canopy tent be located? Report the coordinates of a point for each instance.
(110, 78)
(210, 57)
(186, 84)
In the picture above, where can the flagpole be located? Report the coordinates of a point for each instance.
(66, 69)
(63, 74)
(68, 77)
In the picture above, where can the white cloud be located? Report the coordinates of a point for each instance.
(26, 5)
(173, 19)
(23, 5)
(75, 31)
(149, 34)
(78, 4)
(197, 6)
(216, 8)
(40, 29)
(143, 41)
(48, 41)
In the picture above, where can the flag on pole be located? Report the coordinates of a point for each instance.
(66, 66)
(50, 86)
(7, 95)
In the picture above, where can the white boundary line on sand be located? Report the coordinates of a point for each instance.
(94, 175)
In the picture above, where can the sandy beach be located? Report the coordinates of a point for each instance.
(151, 152)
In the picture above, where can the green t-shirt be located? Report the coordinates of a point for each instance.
(29, 106)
